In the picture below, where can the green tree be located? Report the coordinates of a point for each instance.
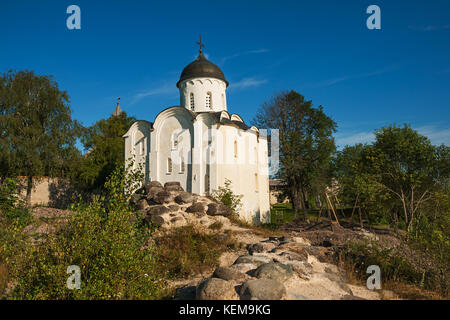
(37, 134)
(105, 151)
(306, 143)
(407, 166)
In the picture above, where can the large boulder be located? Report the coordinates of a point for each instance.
(174, 207)
(197, 207)
(218, 209)
(186, 293)
(151, 193)
(227, 273)
(274, 270)
(297, 251)
(216, 289)
(178, 221)
(173, 186)
(135, 198)
(159, 220)
(152, 184)
(142, 204)
(163, 197)
(255, 260)
(184, 197)
(157, 210)
(304, 270)
(260, 247)
(262, 289)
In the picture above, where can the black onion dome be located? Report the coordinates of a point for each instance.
(201, 67)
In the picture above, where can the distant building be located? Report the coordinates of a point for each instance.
(117, 110)
(275, 191)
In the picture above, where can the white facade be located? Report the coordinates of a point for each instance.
(201, 145)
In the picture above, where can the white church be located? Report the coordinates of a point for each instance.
(201, 145)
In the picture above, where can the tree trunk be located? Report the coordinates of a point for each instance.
(360, 217)
(354, 207)
(294, 200)
(302, 202)
(305, 199)
(320, 209)
(29, 189)
(340, 207)
(395, 221)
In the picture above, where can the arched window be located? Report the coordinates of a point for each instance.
(169, 165)
(209, 100)
(256, 183)
(192, 102)
(235, 149)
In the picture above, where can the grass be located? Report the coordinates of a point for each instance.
(398, 275)
(3, 278)
(188, 251)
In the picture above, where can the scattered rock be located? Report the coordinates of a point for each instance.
(297, 250)
(292, 256)
(186, 293)
(243, 267)
(218, 209)
(229, 274)
(351, 297)
(260, 247)
(178, 221)
(274, 270)
(256, 260)
(303, 270)
(262, 289)
(173, 207)
(216, 289)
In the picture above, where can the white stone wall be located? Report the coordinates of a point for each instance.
(174, 123)
(199, 87)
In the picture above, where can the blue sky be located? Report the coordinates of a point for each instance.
(136, 50)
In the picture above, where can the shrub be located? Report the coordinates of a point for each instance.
(188, 251)
(11, 207)
(228, 197)
(105, 239)
(356, 256)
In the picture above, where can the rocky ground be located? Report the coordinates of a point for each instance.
(274, 268)
(294, 266)
(289, 267)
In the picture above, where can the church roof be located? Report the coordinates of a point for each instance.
(117, 110)
(201, 67)
(220, 117)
